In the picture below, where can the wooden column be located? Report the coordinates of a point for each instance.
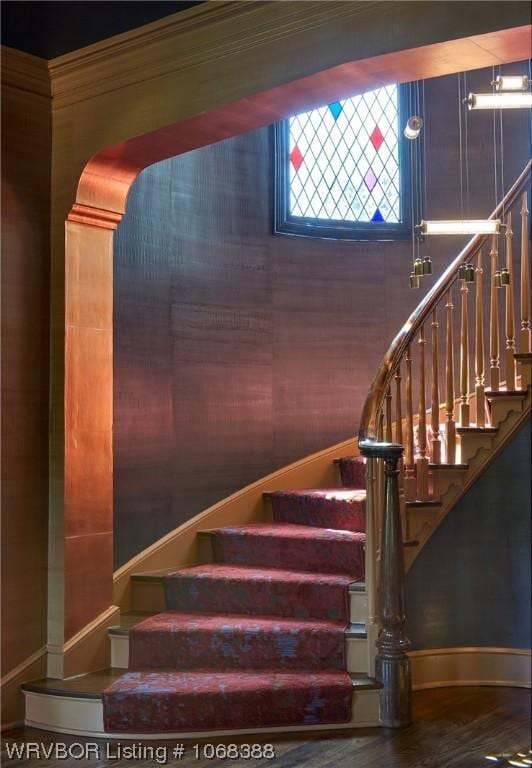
(450, 426)
(524, 333)
(479, 345)
(464, 358)
(410, 476)
(392, 666)
(371, 561)
(509, 352)
(435, 394)
(494, 320)
(422, 461)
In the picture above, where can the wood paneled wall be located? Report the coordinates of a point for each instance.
(237, 351)
(26, 143)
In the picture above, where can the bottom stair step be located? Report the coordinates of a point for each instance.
(76, 706)
(210, 700)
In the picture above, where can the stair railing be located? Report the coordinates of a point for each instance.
(393, 481)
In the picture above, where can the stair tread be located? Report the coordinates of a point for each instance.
(357, 629)
(517, 393)
(423, 503)
(93, 684)
(216, 570)
(290, 531)
(340, 494)
(476, 430)
(178, 620)
(448, 466)
(89, 686)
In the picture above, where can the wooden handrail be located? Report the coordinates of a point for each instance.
(370, 413)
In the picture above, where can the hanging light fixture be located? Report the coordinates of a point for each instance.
(511, 83)
(499, 100)
(505, 276)
(413, 127)
(461, 227)
(497, 278)
(414, 280)
(427, 265)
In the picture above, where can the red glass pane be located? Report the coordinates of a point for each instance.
(296, 157)
(376, 138)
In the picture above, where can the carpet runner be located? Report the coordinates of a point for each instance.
(256, 638)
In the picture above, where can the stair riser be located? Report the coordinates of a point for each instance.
(84, 717)
(319, 512)
(471, 444)
(148, 597)
(442, 480)
(301, 555)
(500, 408)
(261, 597)
(356, 653)
(352, 473)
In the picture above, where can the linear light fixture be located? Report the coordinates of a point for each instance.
(461, 227)
(511, 83)
(501, 100)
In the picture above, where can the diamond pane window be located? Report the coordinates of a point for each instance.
(342, 169)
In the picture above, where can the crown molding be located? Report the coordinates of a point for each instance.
(25, 72)
(199, 35)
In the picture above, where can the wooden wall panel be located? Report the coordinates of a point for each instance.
(26, 142)
(237, 351)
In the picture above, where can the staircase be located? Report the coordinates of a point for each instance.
(277, 626)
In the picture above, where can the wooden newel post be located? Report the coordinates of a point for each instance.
(392, 665)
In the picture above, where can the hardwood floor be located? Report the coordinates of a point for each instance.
(453, 728)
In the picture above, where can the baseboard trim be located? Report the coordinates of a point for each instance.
(446, 667)
(86, 651)
(11, 696)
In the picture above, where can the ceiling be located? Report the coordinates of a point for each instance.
(50, 29)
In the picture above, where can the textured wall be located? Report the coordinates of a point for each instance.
(26, 124)
(470, 586)
(237, 351)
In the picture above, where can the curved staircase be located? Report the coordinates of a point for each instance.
(276, 625)
(269, 631)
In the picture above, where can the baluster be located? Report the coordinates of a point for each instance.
(371, 569)
(509, 352)
(380, 482)
(398, 411)
(422, 462)
(494, 321)
(450, 426)
(399, 441)
(389, 437)
(435, 409)
(464, 358)
(479, 345)
(410, 476)
(524, 335)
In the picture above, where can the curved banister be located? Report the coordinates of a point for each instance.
(372, 407)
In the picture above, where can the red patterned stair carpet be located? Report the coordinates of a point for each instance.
(256, 638)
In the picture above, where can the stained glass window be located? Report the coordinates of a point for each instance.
(342, 168)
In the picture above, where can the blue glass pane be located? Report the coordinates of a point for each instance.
(336, 109)
(377, 216)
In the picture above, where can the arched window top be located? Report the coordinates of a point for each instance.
(342, 169)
